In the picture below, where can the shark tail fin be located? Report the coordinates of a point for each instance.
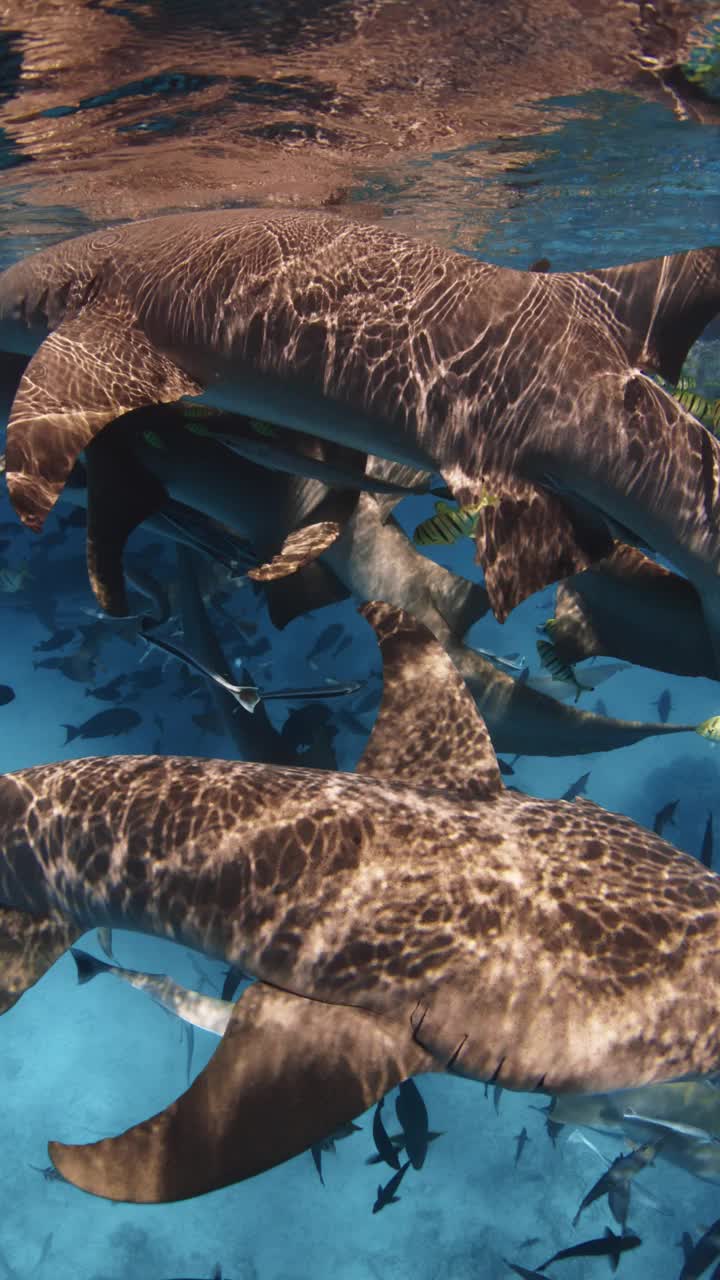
(87, 966)
(428, 732)
(287, 1072)
(663, 305)
(71, 731)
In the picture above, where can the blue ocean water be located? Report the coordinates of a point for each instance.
(618, 179)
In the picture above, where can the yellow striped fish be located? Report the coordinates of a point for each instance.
(450, 523)
(560, 670)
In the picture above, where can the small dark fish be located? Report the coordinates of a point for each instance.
(607, 1246)
(328, 1144)
(577, 788)
(506, 769)
(706, 852)
(110, 692)
(326, 640)
(76, 666)
(497, 1095)
(524, 1272)
(149, 678)
(521, 1138)
(664, 706)
(615, 1182)
(6, 695)
(413, 1118)
(702, 1254)
(57, 640)
(665, 817)
(383, 1145)
(386, 1195)
(552, 1128)
(398, 1141)
(106, 724)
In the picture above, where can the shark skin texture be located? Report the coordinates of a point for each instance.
(413, 916)
(528, 388)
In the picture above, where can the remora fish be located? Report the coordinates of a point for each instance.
(494, 377)
(615, 1182)
(236, 860)
(702, 1254)
(386, 1195)
(205, 1012)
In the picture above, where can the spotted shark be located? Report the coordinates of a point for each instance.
(529, 392)
(415, 916)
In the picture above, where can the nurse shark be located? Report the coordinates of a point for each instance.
(526, 390)
(414, 916)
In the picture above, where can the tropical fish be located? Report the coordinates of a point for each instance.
(110, 692)
(577, 788)
(413, 1118)
(449, 524)
(609, 1246)
(702, 1254)
(106, 724)
(57, 640)
(664, 706)
(386, 1195)
(615, 1182)
(521, 1139)
(385, 1148)
(665, 816)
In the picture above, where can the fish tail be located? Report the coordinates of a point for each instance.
(72, 731)
(87, 966)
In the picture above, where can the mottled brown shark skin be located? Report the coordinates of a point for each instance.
(415, 916)
(377, 561)
(629, 607)
(524, 385)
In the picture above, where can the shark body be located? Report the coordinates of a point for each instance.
(414, 916)
(524, 388)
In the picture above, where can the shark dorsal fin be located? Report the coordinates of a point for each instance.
(663, 305)
(429, 732)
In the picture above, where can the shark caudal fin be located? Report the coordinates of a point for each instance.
(429, 732)
(287, 1072)
(662, 305)
(94, 367)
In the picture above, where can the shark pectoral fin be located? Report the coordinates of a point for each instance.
(572, 629)
(121, 494)
(312, 587)
(29, 945)
(298, 549)
(288, 1072)
(90, 370)
(528, 539)
(429, 732)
